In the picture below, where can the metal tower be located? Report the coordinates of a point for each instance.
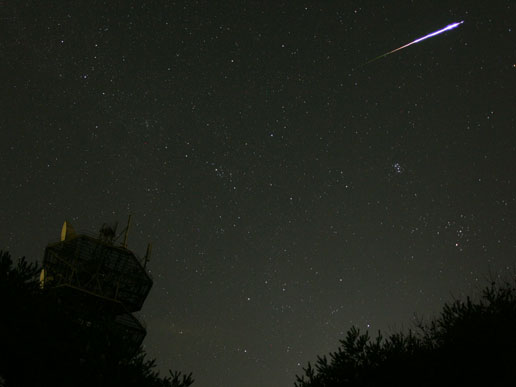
(98, 280)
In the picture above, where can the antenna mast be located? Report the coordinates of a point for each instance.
(147, 255)
(124, 243)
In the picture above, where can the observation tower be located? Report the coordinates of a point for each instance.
(99, 280)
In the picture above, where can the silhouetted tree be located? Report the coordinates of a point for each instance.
(468, 343)
(41, 344)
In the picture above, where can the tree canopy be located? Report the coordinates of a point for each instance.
(469, 342)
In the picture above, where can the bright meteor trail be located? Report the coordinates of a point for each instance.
(447, 28)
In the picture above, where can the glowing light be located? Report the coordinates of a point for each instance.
(447, 28)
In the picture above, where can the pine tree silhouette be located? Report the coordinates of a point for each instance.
(470, 342)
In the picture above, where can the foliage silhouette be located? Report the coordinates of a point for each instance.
(42, 344)
(470, 342)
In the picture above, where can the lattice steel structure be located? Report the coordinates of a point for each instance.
(98, 279)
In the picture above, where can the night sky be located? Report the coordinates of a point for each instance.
(289, 192)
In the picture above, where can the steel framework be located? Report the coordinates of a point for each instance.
(98, 280)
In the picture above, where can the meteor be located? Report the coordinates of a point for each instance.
(447, 28)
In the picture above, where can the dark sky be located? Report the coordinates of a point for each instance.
(288, 192)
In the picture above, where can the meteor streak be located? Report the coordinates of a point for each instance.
(447, 28)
